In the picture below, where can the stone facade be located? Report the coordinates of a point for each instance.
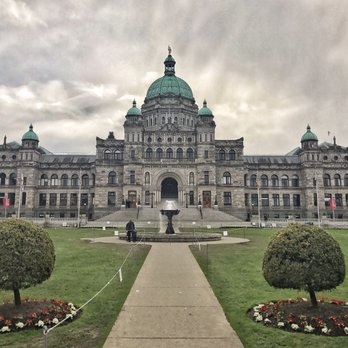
(169, 151)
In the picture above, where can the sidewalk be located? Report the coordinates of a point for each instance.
(171, 304)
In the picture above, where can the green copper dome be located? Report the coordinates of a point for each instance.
(169, 83)
(134, 111)
(205, 111)
(309, 135)
(30, 135)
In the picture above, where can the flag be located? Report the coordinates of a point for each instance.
(332, 203)
(6, 202)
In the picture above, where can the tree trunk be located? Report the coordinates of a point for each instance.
(313, 297)
(17, 297)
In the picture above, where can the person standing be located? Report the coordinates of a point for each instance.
(130, 228)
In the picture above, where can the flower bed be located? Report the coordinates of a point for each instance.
(36, 314)
(329, 318)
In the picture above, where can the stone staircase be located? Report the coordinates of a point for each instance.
(152, 217)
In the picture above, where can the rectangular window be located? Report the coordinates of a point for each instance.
(24, 198)
(84, 199)
(254, 200)
(53, 199)
(286, 200)
(227, 198)
(297, 200)
(206, 177)
(63, 199)
(206, 154)
(12, 197)
(339, 199)
(346, 199)
(42, 199)
(265, 200)
(132, 177)
(246, 199)
(275, 199)
(327, 199)
(315, 199)
(73, 199)
(111, 199)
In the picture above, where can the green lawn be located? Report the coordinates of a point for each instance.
(235, 274)
(81, 270)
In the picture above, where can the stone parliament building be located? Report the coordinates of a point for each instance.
(169, 151)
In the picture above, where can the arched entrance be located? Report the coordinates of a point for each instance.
(169, 188)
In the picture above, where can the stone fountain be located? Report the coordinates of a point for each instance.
(170, 209)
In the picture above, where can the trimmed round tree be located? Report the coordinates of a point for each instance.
(304, 257)
(26, 256)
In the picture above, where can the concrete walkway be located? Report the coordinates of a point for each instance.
(171, 304)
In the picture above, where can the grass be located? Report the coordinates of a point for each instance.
(81, 270)
(235, 274)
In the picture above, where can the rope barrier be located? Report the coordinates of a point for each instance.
(46, 330)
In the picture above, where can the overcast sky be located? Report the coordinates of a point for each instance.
(267, 68)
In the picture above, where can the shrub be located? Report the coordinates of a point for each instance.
(26, 256)
(304, 257)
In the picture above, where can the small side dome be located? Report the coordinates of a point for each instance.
(205, 111)
(30, 135)
(134, 111)
(309, 135)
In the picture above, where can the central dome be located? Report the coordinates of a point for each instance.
(169, 84)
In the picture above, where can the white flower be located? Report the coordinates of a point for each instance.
(325, 330)
(267, 321)
(20, 325)
(256, 314)
(308, 328)
(73, 313)
(346, 330)
(304, 299)
(55, 321)
(259, 318)
(69, 316)
(5, 329)
(71, 306)
(295, 326)
(40, 323)
(280, 324)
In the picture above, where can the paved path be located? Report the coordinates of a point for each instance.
(171, 304)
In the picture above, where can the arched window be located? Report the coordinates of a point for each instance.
(159, 153)
(64, 180)
(54, 180)
(337, 180)
(118, 155)
(2, 179)
(179, 154)
(148, 153)
(12, 179)
(295, 181)
(232, 155)
(327, 180)
(191, 178)
(107, 155)
(169, 153)
(85, 180)
(346, 180)
(285, 181)
(112, 178)
(189, 154)
(147, 178)
(221, 155)
(253, 180)
(226, 178)
(75, 180)
(264, 180)
(275, 181)
(44, 180)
